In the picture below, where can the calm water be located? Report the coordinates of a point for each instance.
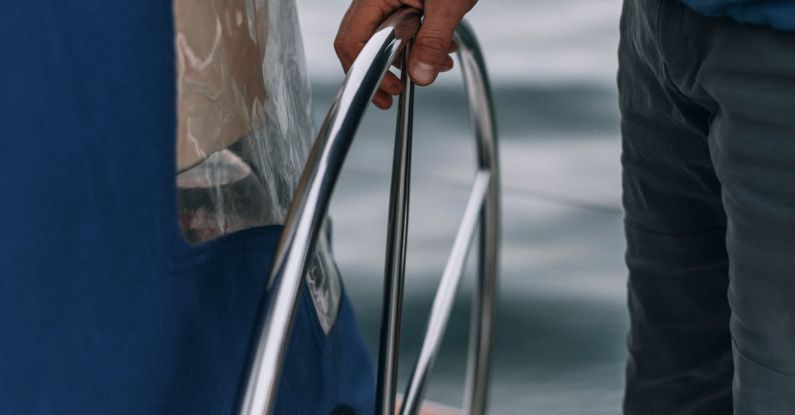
(559, 346)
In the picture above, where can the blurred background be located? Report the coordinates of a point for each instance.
(561, 322)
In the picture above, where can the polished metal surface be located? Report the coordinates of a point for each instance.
(397, 234)
(445, 295)
(484, 299)
(488, 212)
(310, 206)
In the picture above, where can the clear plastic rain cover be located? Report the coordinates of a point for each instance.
(244, 125)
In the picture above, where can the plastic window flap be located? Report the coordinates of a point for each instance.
(244, 125)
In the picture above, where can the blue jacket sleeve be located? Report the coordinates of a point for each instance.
(778, 14)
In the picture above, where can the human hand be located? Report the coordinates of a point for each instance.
(430, 53)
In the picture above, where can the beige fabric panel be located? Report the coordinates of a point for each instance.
(220, 48)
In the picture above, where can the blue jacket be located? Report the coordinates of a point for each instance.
(778, 14)
(104, 308)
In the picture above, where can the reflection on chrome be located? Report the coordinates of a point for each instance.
(309, 208)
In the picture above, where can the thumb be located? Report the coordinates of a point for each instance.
(429, 54)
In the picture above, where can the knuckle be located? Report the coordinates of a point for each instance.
(433, 41)
(339, 45)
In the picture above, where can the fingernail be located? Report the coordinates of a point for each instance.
(423, 73)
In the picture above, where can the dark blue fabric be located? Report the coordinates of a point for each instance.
(104, 309)
(778, 14)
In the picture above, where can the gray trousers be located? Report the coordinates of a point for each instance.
(708, 125)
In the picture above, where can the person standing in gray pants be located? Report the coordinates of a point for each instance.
(708, 125)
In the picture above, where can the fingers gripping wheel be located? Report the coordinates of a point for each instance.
(310, 205)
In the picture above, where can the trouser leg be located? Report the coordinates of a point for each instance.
(735, 84)
(679, 345)
(750, 73)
